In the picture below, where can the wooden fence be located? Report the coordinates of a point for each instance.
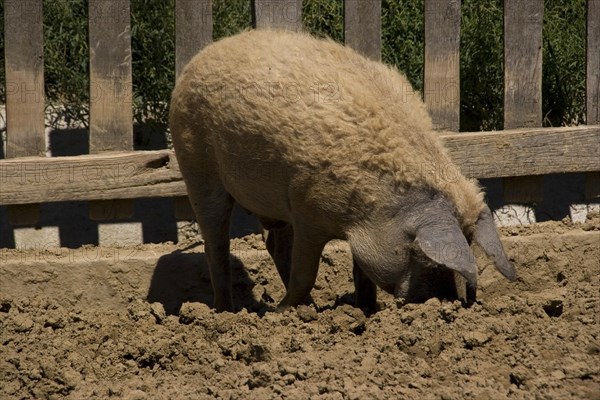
(112, 175)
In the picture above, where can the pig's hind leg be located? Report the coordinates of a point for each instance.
(212, 207)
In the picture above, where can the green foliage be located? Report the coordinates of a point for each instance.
(66, 54)
(324, 18)
(481, 65)
(563, 84)
(153, 58)
(66, 59)
(403, 38)
(230, 17)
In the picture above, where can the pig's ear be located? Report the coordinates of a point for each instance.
(487, 237)
(444, 243)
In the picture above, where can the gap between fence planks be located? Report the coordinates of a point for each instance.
(138, 174)
(24, 57)
(111, 112)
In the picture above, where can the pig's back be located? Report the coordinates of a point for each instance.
(279, 108)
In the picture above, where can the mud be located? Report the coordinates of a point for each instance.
(134, 323)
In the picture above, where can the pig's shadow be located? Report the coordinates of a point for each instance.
(184, 277)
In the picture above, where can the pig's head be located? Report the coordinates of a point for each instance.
(416, 247)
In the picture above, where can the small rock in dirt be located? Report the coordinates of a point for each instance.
(554, 308)
(136, 395)
(252, 353)
(558, 374)
(261, 376)
(138, 310)
(358, 327)
(22, 323)
(475, 339)
(593, 349)
(449, 311)
(288, 379)
(433, 302)
(436, 347)
(54, 322)
(406, 340)
(519, 376)
(306, 313)
(192, 311)
(158, 311)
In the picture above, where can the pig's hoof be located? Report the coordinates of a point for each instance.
(224, 306)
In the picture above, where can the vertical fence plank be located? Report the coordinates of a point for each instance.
(111, 114)
(442, 63)
(362, 27)
(523, 21)
(193, 31)
(24, 62)
(279, 14)
(593, 85)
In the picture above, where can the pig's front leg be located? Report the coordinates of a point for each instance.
(306, 254)
(213, 211)
(365, 291)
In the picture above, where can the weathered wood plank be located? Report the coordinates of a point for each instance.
(24, 60)
(523, 63)
(442, 63)
(592, 180)
(518, 152)
(279, 14)
(523, 20)
(194, 29)
(362, 27)
(104, 176)
(526, 151)
(24, 63)
(111, 113)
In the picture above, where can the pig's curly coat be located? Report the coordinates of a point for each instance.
(314, 104)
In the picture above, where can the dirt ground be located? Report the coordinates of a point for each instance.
(133, 323)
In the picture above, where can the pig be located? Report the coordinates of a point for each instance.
(321, 143)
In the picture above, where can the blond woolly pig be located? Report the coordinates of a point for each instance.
(321, 143)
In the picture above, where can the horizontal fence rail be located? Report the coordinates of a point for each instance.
(129, 175)
(114, 172)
